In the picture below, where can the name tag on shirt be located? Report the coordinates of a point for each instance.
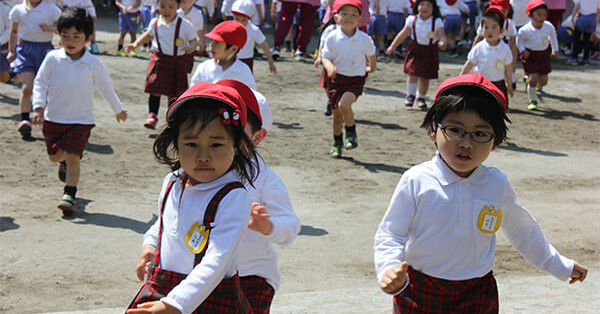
(431, 35)
(489, 220)
(196, 238)
(500, 65)
(179, 42)
(546, 41)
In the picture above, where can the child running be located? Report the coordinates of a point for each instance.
(204, 208)
(63, 97)
(434, 249)
(128, 23)
(537, 43)
(422, 61)
(30, 39)
(173, 44)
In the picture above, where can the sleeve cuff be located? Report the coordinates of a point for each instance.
(172, 303)
(403, 287)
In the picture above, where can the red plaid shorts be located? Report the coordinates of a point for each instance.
(337, 86)
(433, 295)
(71, 138)
(538, 62)
(258, 292)
(502, 86)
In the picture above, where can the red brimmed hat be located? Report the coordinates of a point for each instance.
(234, 108)
(450, 2)
(534, 4)
(230, 32)
(503, 4)
(245, 8)
(475, 80)
(496, 9)
(338, 4)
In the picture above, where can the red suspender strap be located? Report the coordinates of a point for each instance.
(162, 210)
(156, 35)
(415, 28)
(211, 212)
(176, 36)
(432, 29)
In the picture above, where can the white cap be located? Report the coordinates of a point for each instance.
(245, 7)
(265, 111)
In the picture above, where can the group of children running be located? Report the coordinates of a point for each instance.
(221, 208)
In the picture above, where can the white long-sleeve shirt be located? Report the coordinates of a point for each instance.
(257, 254)
(433, 223)
(4, 23)
(65, 87)
(211, 71)
(183, 208)
(535, 39)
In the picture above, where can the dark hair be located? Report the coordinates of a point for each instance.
(204, 111)
(543, 6)
(254, 121)
(494, 16)
(78, 18)
(322, 28)
(436, 10)
(469, 99)
(178, 1)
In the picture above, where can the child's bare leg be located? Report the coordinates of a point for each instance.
(133, 36)
(345, 106)
(423, 87)
(542, 80)
(58, 157)
(121, 38)
(25, 99)
(337, 121)
(4, 76)
(73, 169)
(531, 91)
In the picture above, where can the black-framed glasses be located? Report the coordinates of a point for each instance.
(456, 133)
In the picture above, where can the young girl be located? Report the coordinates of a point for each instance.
(173, 43)
(345, 52)
(29, 40)
(422, 59)
(537, 43)
(204, 209)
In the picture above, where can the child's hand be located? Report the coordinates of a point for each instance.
(525, 54)
(389, 51)
(189, 49)
(148, 252)
(511, 92)
(38, 116)
(317, 62)
(121, 116)
(272, 68)
(259, 220)
(579, 273)
(332, 73)
(154, 307)
(394, 278)
(10, 57)
(129, 48)
(554, 54)
(369, 69)
(442, 44)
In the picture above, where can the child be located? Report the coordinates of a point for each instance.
(434, 248)
(451, 10)
(227, 38)
(194, 16)
(33, 26)
(344, 54)
(397, 13)
(63, 97)
(584, 16)
(4, 33)
(378, 27)
(88, 5)
(173, 43)
(204, 208)
(422, 59)
(537, 42)
(242, 11)
(128, 22)
(272, 218)
(492, 57)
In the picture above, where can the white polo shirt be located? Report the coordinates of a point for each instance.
(535, 39)
(166, 35)
(383, 7)
(254, 36)
(348, 53)
(211, 71)
(29, 20)
(84, 4)
(398, 6)
(519, 14)
(489, 60)
(588, 6)
(423, 29)
(194, 16)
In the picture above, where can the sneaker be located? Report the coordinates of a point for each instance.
(132, 53)
(453, 54)
(275, 53)
(66, 204)
(409, 101)
(25, 128)
(151, 121)
(121, 52)
(351, 141)
(532, 105)
(421, 104)
(336, 150)
(573, 61)
(585, 63)
(327, 110)
(94, 48)
(62, 171)
(299, 55)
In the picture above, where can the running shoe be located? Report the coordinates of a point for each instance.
(151, 121)
(421, 104)
(336, 150)
(275, 53)
(66, 204)
(62, 171)
(24, 128)
(327, 111)
(409, 101)
(532, 105)
(94, 48)
(351, 141)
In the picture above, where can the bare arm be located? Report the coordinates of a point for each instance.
(467, 68)
(372, 64)
(146, 37)
(267, 52)
(399, 39)
(330, 68)
(12, 42)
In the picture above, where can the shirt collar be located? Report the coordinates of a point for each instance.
(84, 58)
(161, 22)
(342, 35)
(446, 176)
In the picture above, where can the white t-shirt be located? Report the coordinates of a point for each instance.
(455, 9)
(211, 71)
(423, 29)
(398, 6)
(84, 4)
(29, 20)
(519, 15)
(4, 23)
(254, 36)
(194, 16)
(588, 6)
(535, 39)
(383, 7)
(166, 35)
(489, 60)
(348, 53)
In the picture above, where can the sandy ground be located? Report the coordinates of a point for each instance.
(86, 263)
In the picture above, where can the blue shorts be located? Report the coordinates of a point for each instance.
(452, 23)
(128, 22)
(30, 55)
(472, 10)
(145, 16)
(564, 35)
(4, 65)
(586, 23)
(377, 25)
(395, 22)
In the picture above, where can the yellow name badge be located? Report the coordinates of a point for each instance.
(546, 41)
(500, 65)
(179, 42)
(431, 35)
(196, 238)
(489, 220)
(505, 33)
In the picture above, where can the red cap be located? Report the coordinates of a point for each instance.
(234, 108)
(476, 80)
(246, 93)
(503, 4)
(533, 4)
(230, 32)
(340, 3)
(496, 9)
(450, 2)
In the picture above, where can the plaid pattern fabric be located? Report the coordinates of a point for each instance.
(258, 292)
(337, 86)
(433, 295)
(422, 60)
(323, 78)
(502, 86)
(167, 75)
(249, 62)
(538, 62)
(71, 138)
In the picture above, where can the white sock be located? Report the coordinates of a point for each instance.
(531, 93)
(411, 88)
(420, 96)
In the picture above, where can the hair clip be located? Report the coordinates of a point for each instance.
(236, 117)
(225, 119)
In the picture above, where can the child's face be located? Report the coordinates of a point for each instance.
(425, 9)
(491, 30)
(73, 41)
(241, 19)
(207, 155)
(218, 50)
(348, 17)
(462, 154)
(538, 16)
(168, 9)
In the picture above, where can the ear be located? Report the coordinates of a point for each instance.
(493, 147)
(258, 137)
(431, 132)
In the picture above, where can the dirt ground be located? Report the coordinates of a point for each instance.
(86, 263)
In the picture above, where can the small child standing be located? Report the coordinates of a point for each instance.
(377, 25)
(397, 14)
(173, 44)
(492, 57)
(451, 11)
(63, 97)
(585, 15)
(128, 22)
(30, 39)
(4, 33)
(422, 60)
(537, 43)
(440, 228)
(345, 53)
(191, 252)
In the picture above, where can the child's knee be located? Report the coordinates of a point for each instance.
(72, 159)
(55, 158)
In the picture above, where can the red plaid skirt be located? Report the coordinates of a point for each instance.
(538, 62)
(249, 62)
(71, 138)
(422, 60)
(167, 75)
(502, 86)
(337, 86)
(433, 295)
(227, 297)
(258, 292)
